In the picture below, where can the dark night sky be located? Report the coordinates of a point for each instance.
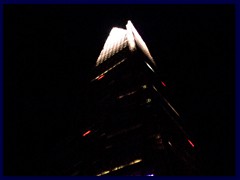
(49, 52)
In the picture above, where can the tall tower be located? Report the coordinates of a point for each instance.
(134, 129)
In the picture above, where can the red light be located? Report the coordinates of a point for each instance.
(163, 84)
(190, 142)
(100, 77)
(86, 133)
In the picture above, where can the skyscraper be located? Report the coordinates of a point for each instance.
(134, 129)
(48, 129)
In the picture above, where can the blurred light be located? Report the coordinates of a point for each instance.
(103, 74)
(190, 142)
(116, 34)
(86, 133)
(120, 97)
(134, 162)
(171, 106)
(130, 93)
(169, 143)
(155, 88)
(130, 37)
(103, 173)
(163, 84)
(120, 167)
(150, 175)
(117, 168)
(140, 42)
(100, 77)
(148, 100)
(149, 66)
(144, 86)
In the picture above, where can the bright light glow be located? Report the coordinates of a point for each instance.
(120, 97)
(150, 175)
(135, 162)
(120, 167)
(190, 142)
(123, 37)
(163, 84)
(117, 35)
(139, 41)
(131, 41)
(86, 133)
(103, 173)
(100, 77)
(148, 100)
(150, 67)
(144, 86)
(169, 143)
(117, 168)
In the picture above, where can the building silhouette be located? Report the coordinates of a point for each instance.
(133, 129)
(125, 124)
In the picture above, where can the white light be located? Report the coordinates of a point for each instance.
(120, 167)
(131, 41)
(115, 35)
(148, 100)
(172, 108)
(140, 42)
(150, 67)
(155, 88)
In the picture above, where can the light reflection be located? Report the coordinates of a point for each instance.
(148, 100)
(128, 94)
(103, 173)
(144, 86)
(135, 162)
(171, 107)
(190, 142)
(130, 37)
(86, 133)
(103, 74)
(100, 77)
(169, 143)
(119, 167)
(167, 102)
(116, 36)
(149, 67)
(155, 88)
(163, 84)
(120, 97)
(139, 41)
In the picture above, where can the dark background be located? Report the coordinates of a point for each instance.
(50, 50)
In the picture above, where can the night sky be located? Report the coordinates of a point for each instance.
(50, 51)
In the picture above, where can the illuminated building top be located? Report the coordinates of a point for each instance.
(119, 39)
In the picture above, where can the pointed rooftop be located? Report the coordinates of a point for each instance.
(119, 39)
